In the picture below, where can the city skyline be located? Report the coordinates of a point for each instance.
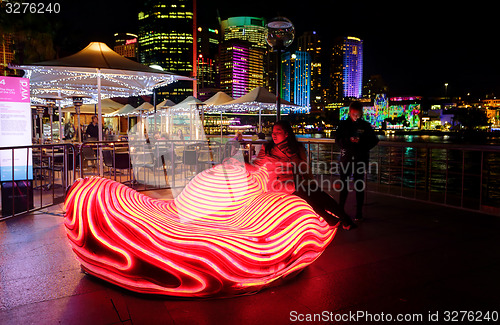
(415, 49)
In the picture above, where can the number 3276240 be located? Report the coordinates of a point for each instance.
(32, 7)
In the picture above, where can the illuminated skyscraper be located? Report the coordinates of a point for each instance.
(207, 69)
(241, 67)
(126, 45)
(166, 39)
(249, 29)
(296, 85)
(6, 44)
(309, 42)
(347, 68)
(242, 55)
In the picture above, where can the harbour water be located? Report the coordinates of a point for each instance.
(446, 169)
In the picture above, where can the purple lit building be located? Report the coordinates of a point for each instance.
(241, 67)
(347, 68)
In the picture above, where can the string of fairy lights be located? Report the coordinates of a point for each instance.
(254, 107)
(44, 80)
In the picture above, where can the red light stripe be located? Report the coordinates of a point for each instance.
(218, 237)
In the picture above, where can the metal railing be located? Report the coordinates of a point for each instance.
(49, 171)
(142, 165)
(461, 176)
(466, 177)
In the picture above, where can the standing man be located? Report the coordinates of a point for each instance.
(92, 130)
(355, 138)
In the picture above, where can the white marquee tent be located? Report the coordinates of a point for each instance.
(97, 71)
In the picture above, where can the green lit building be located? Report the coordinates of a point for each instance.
(243, 54)
(249, 29)
(166, 39)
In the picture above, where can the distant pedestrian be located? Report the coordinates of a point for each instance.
(92, 130)
(355, 138)
(69, 130)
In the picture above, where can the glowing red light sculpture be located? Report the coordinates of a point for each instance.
(223, 235)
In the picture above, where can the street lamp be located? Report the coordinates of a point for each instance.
(51, 103)
(280, 34)
(445, 90)
(34, 115)
(40, 110)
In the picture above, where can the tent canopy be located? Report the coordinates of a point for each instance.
(107, 105)
(257, 100)
(143, 107)
(259, 95)
(166, 103)
(219, 98)
(187, 103)
(125, 110)
(79, 73)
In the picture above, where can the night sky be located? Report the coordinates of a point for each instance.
(415, 46)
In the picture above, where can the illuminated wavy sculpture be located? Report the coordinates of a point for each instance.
(223, 235)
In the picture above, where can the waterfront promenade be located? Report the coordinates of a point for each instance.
(407, 258)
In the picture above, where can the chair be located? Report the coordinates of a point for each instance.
(190, 158)
(120, 161)
(145, 161)
(107, 156)
(206, 156)
(89, 155)
(166, 161)
(41, 171)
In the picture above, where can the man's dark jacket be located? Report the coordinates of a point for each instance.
(350, 151)
(92, 130)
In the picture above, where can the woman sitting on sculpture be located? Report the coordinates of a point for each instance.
(286, 160)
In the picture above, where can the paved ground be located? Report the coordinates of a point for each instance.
(407, 257)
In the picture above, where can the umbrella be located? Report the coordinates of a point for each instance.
(143, 107)
(98, 71)
(187, 108)
(187, 103)
(219, 98)
(107, 106)
(257, 99)
(165, 103)
(125, 110)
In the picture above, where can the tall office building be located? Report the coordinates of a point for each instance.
(166, 39)
(296, 84)
(249, 29)
(346, 72)
(310, 42)
(126, 45)
(7, 55)
(207, 69)
(242, 55)
(241, 67)
(206, 77)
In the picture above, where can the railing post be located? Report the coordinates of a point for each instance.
(463, 179)
(481, 181)
(446, 178)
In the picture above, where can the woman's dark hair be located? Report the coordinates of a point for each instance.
(293, 144)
